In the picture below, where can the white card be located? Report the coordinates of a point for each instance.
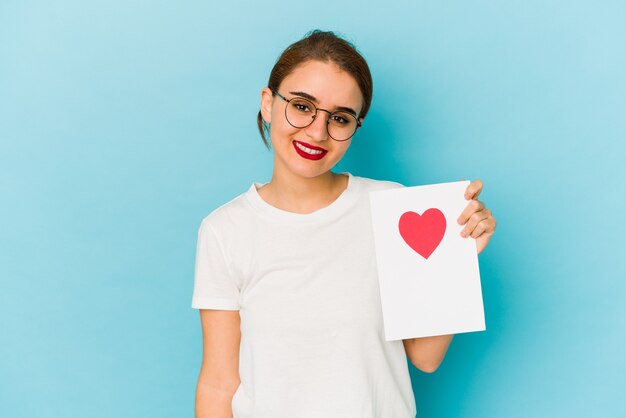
(428, 273)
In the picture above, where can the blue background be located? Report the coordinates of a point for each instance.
(123, 123)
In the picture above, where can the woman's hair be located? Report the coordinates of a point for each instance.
(320, 46)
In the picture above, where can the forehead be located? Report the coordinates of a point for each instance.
(331, 85)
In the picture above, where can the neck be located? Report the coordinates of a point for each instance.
(293, 193)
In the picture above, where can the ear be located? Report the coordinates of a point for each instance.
(267, 99)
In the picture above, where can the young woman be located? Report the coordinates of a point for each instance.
(285, 276)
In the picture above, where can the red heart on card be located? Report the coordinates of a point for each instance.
(423, 233)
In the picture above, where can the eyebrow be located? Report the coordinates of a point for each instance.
(313, 99)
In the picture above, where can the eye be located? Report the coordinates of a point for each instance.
(340, 118)
(301, 106)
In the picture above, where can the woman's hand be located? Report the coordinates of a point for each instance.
(480, 223)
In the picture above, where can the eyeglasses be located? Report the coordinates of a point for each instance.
(300, 113)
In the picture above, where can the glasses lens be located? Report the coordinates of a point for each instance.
(300, 112)
(341, 126)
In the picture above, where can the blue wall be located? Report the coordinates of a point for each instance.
(123, 123)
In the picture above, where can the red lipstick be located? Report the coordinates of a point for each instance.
(306, 155)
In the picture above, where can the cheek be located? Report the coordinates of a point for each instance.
(344, 146)
(279, 128)
(340, 151)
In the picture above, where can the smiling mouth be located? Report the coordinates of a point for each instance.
(309, 151)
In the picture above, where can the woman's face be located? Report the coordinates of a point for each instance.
(331, 88)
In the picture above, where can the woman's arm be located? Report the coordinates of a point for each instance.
(219, 375)
(427, 353)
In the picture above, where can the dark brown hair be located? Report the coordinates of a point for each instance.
(320, 46)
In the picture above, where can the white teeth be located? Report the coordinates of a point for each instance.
(308, 150)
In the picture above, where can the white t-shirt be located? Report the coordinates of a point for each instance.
(306, 287)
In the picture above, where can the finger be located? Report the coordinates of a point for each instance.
(473, 190)
(487, 226)
(480, 229)
(474, 220)
(472, 206)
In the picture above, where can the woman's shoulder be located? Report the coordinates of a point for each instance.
(226, 214)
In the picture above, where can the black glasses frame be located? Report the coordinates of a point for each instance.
(358, 123)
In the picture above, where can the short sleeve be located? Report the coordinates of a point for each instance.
(214, 286)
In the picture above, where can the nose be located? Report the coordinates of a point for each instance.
(318, 129)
